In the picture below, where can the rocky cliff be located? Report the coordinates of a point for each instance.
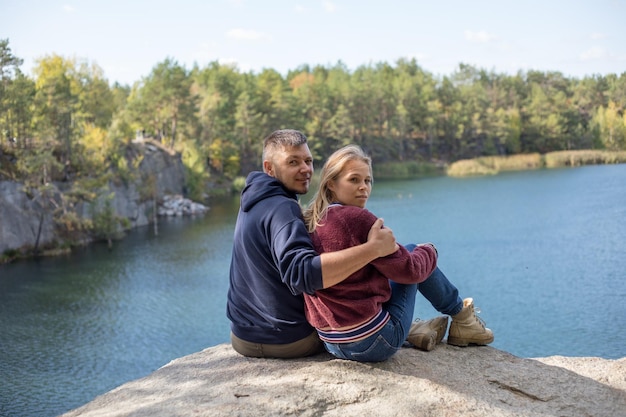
(448, 381)
(20, 216)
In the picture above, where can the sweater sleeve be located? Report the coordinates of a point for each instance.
(349, 226)
(407, 267)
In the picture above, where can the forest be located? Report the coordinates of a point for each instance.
(67, 123)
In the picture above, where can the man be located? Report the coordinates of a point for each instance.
(273, 260)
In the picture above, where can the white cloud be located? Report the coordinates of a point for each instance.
(596, 36)
(480, 36)
(329, 6)
(593, 53)
(300, 8)
(246, 34)
(68, 8)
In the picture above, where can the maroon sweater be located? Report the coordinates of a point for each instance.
(361, 296)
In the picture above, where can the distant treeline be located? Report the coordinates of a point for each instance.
(70, 123)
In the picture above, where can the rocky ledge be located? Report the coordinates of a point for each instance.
(177, 205)
(448, 381)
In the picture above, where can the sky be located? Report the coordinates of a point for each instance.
(127, 39)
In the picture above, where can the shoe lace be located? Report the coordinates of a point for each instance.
(479, 319)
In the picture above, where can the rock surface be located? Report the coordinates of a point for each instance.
(20, 216)
(19, 219)
(448, 381)
(177, 205)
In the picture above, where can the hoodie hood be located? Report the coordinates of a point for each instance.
(260, 186)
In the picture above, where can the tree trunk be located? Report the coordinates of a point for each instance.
(36, 247)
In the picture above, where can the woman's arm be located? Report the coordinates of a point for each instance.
(339, 265)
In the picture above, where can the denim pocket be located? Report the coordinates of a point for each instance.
(380, 350)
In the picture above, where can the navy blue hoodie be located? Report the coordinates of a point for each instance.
(273, 263)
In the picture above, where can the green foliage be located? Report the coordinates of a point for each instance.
(148, 187)
(124, 167)
(16, 99)
(238, 184)
(94, 144)
(196, 173)
(163, 104)
(610, 123)
(106, 225)
(71, 227)
(68, 122)
(405, 170)
(9, 255)
(223, 158)
(37, 168)
(87, 189)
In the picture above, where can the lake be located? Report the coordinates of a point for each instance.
(543, 254)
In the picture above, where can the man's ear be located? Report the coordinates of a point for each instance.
(267, 168)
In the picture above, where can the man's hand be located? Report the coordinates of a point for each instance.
(337, 266)
(382, 238)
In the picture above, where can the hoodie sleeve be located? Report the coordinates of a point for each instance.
(299, 264)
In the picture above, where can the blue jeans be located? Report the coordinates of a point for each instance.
(437, 289)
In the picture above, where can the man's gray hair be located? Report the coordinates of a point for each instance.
(281, 138)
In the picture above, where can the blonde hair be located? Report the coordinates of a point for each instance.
(333, 167)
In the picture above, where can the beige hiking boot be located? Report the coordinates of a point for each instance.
(467, 328)
(425, 334)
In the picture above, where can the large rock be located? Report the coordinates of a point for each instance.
(448, 381)
(20, 219)
(156, 165)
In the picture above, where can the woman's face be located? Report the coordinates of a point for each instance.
(354, 184)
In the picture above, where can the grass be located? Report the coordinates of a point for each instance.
(491, 165)
(584, 157)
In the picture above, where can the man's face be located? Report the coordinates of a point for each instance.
(293, 166)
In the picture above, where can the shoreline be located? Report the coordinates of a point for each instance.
(493, 165)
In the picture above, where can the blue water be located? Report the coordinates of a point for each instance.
(543, 254)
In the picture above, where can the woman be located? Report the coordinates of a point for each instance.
(367, 317)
